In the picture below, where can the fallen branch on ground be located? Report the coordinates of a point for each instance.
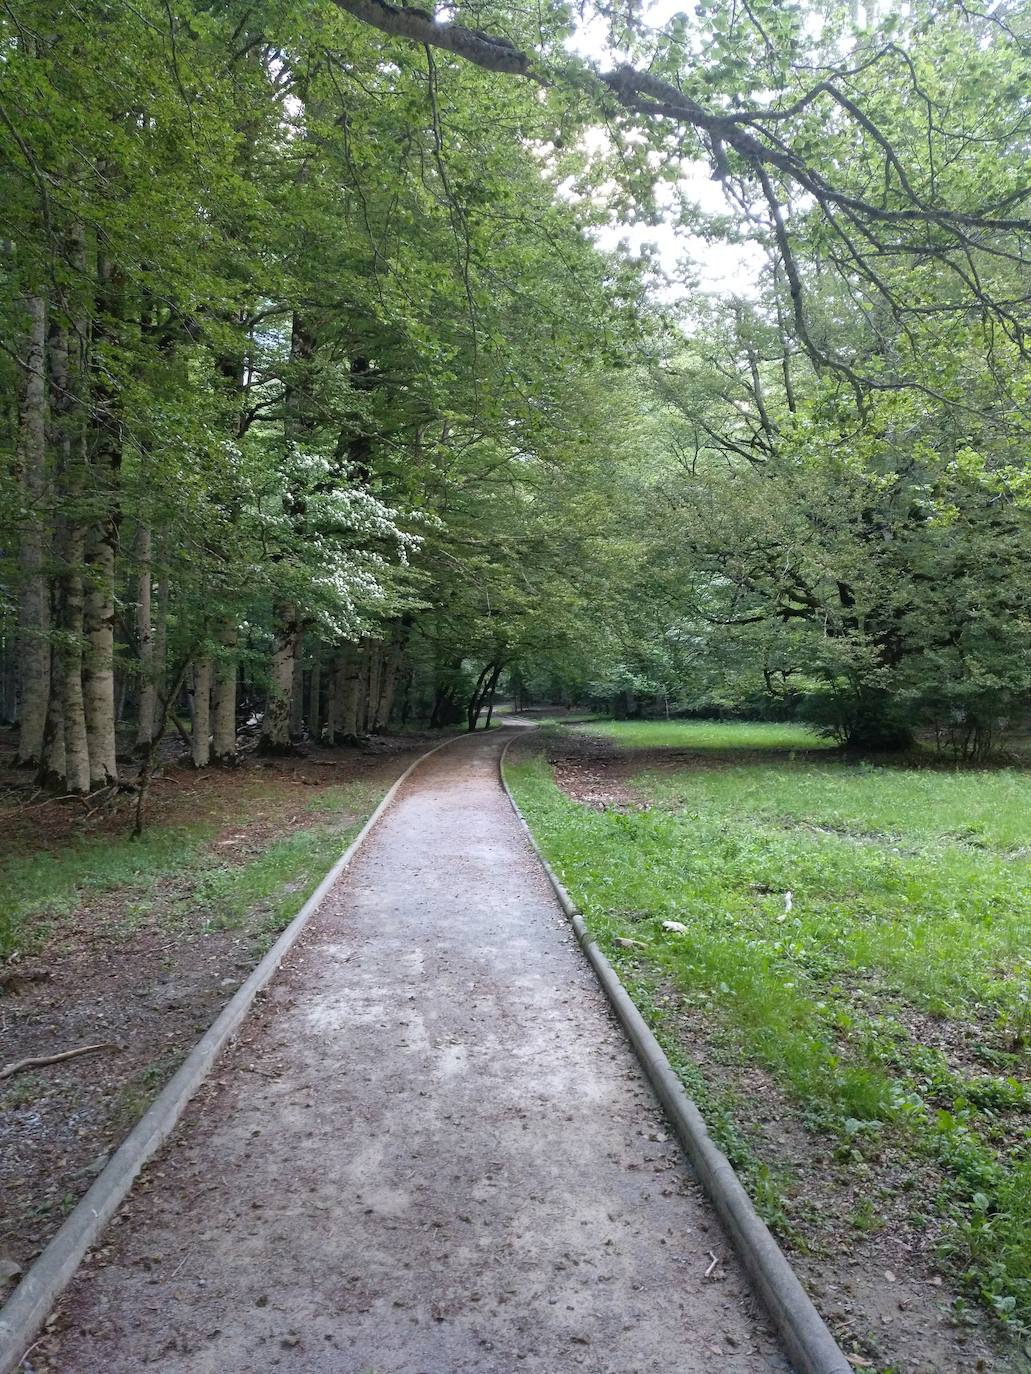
(39, 1060)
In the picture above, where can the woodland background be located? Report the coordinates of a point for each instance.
(323, 410)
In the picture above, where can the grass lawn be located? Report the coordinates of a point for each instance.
(860, 934)
(706, 734)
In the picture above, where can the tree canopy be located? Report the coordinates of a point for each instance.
(325, 409)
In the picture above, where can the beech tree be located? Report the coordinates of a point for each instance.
(324, 410)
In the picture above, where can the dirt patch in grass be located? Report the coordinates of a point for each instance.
(146, 969)
(598, 772)
(593, 770)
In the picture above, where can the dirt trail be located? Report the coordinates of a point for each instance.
(430, 1151)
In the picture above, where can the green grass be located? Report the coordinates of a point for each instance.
(910, 898)
(987, 810)
(577, 718)
(37, 888)
(276, 883)
(705, 734)
(174, 870)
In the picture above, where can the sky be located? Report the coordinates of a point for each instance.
(691, 263)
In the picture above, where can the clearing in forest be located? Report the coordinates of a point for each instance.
(836, 957)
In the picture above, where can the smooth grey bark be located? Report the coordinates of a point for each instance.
(275, 727)
(352, 694)
(76, 736)
(98, 677)
(67, 370)
(101, 545)
(223, 742)
(53, 760)
(200, 735)
(297, 689)
(34, 608)
(145, 639)
(334, 696)
(160, 656)
(375, 673)
(392, 661)
(315, 695)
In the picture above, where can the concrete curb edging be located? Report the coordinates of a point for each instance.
(28, 1306)
(803, 1331)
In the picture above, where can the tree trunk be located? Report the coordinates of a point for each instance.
(67, 373)
(146, 770)
(99, 611)
(406, 697)
(223, 745)
(315, 696)
(34, 617)
(490, 695)
(297, 690)
(393, 659)
(375, 655)
(147, 711)
(52, 763)
(76, 736)
(352, 696)
(159, 666)
(98, 670)
(334, 696)
(200, 735)
(275, 728)
(475, 702)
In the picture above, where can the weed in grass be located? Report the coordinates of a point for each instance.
(135, 1096)
(721, 1109)
(865, 1217)
(22, 1092)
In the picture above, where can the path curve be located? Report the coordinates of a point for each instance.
(429, 1152)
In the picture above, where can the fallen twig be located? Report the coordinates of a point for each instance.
(715, 1261)
(33, 805)
(39, 1060)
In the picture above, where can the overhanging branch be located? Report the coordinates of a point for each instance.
(484, 49)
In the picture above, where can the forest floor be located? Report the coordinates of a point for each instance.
(844, 990)
(137, 945)
(430, 1148)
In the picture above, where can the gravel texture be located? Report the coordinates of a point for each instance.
(429, 1151)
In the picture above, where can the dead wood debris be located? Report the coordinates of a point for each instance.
(38, 1061)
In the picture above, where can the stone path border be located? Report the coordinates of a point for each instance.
(806, 1337)
(28, 1306)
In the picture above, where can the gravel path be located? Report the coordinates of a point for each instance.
(430, 1150)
